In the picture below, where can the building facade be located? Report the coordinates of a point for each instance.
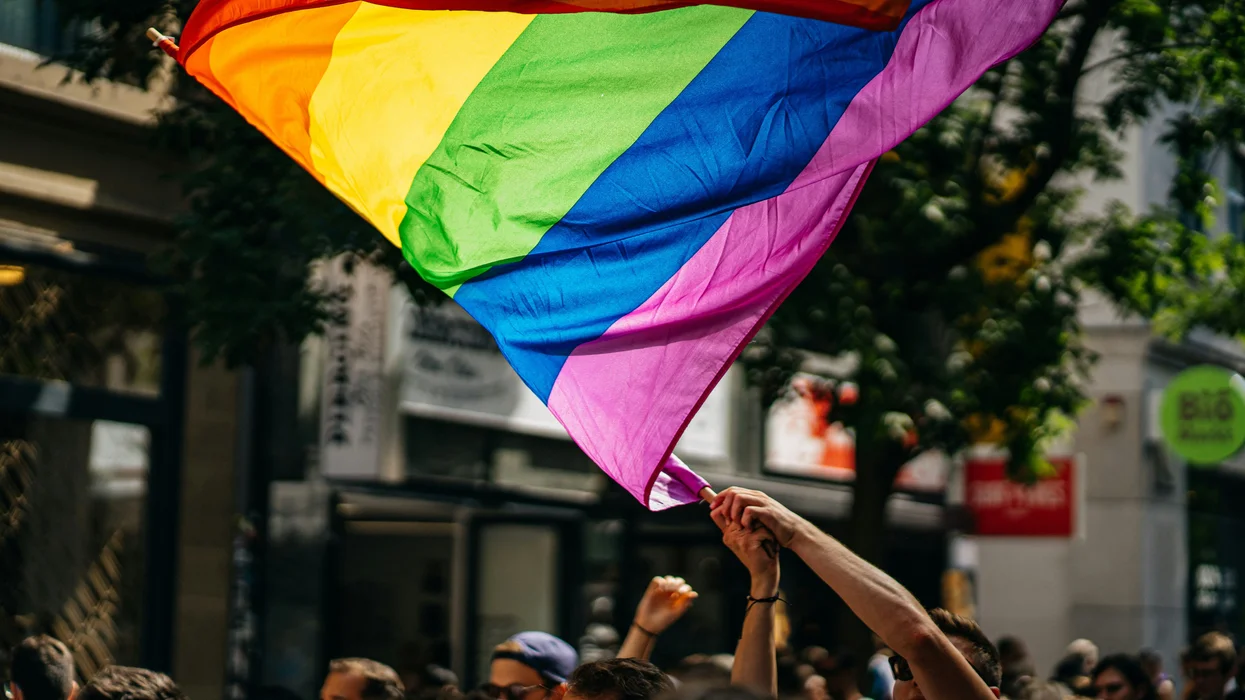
(443, 508)
(1155, 558)
(117, 448)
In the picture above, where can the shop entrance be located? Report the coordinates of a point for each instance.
(419, 580)
(92, 380)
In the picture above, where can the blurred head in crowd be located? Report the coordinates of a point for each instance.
(968, 638)
(1152, 662)
(1040, 690)
(530, 666)
(1011, 650)
(699, 691)
(702, 669)
(816, 688)
(1121, 677)
(41, 668)
(617, 679)
(1070, 671)
(881, 679)
(361, 679)
(127, 683)
(1211, 661)
(815, 656)
(1016, 665)
(789, 681)
(435, 683)
(1087, 650)
(842, 677)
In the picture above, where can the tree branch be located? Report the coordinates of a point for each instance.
(993, 220)
(1069, 11)
(1141, 52)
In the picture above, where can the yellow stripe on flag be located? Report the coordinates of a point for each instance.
(396, 80)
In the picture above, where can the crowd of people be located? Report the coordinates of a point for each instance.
(922, 654)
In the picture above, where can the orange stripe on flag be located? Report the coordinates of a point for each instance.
(272, 66)
(199, 65)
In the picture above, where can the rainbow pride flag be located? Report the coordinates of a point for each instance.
(620, 191)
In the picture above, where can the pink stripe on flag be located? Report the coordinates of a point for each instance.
(626, 397)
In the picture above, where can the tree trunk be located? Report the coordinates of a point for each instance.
(876, 467)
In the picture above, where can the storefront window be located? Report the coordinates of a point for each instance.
(708, 627)
(1216, 559)
(602, 554)
(32, 25)
(72, 505)
(82, 329)
(448, 449)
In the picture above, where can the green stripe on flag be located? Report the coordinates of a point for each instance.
(573, 93)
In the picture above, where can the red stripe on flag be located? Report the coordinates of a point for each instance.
(213, 16)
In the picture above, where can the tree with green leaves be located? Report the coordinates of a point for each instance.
(952, 291)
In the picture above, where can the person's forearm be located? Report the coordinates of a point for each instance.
(893, 614)
(878, 600)
(637, 645)
(756, 664)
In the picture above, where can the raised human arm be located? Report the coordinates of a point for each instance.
(756, 663)
(878, 600)
(665, 601)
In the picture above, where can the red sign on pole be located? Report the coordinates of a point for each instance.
(1004, 508)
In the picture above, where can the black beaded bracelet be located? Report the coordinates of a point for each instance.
(772, 599)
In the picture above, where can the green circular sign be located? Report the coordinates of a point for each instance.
(1203, 415)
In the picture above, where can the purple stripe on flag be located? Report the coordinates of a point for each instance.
(626, 397)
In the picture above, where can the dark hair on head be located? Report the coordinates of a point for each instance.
(1012, 649)
(1069, 667)
(379, 681)
(713, 691)
(1215, 646)
(984, 657)
(842, 662)
(618, 679)
(1149, 656)
(444, 693)
(42, 668)
(701, 669)
(1038, 690)
(1130, 667)
(129, 683)
(434, 676)
(788, 677)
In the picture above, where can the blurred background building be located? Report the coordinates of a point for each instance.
(116, 448)
(393, 490)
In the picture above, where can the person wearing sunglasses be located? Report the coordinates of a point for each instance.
(530, 666)
(1122, 677)
(938, 656)
(41, 668)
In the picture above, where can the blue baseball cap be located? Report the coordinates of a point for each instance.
(544, 653)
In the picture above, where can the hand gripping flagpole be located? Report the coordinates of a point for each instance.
(166, 43)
